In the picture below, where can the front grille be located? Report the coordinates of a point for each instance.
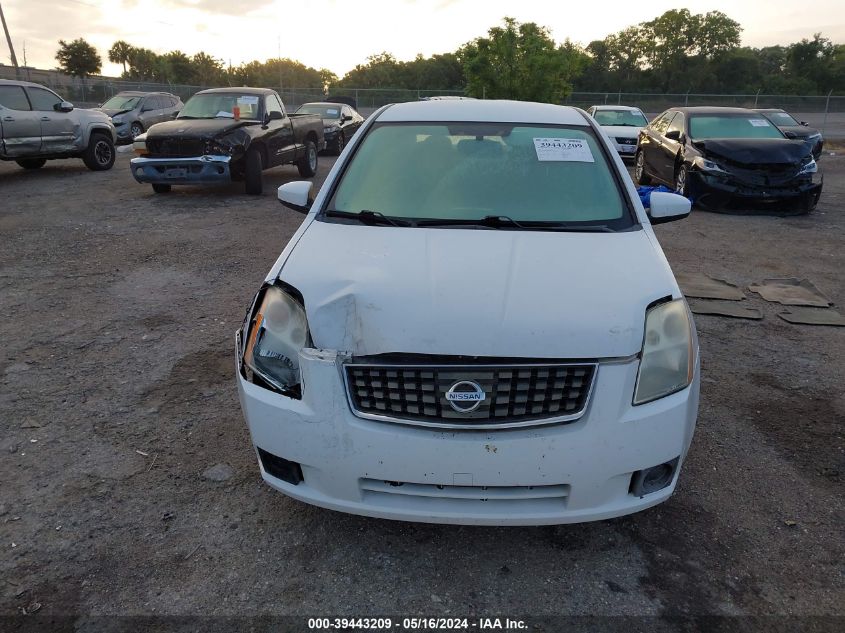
(505, 497)
(514, 395)
(175, 147)
(772, 176)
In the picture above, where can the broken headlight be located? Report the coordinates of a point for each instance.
(808, 167)
(275, 335)
(667, 359)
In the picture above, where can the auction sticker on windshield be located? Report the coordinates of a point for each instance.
(563, 149)
(759, 122)
(248, 100)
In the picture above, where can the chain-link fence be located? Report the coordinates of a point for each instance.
(659, 102)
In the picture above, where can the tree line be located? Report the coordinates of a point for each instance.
(676, 52)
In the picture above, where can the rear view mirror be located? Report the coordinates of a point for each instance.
(296, 195)
(668, 207)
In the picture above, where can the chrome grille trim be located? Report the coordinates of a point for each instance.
(468, 423)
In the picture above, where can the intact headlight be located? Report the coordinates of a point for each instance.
(708, 165)
(275, 335)
(667, 359)
(117, 121)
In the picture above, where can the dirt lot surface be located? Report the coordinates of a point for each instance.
(117, 393)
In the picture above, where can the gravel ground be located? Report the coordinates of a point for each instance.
(118, 312)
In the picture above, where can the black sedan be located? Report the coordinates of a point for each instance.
(340, 122)
(792, 128)
(721, 156)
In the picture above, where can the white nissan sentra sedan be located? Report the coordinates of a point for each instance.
(474, 324)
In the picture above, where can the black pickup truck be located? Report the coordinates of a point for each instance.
(226, 134)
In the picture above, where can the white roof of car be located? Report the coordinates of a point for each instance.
(484, 110)
(616, 107)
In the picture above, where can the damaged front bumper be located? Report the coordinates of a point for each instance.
(718, 191)
(322, 453)
(182, 171)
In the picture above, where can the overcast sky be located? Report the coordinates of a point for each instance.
(338, 34)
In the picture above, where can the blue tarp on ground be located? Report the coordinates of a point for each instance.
(645, 193)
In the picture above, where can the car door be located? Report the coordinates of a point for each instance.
(281, 147)
(21, 127)
(60, 131)
(671, 146)
(150, 109)
(651, 144)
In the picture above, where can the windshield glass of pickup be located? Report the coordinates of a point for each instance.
(325, 111)
(221, 105)
(121, 103)
(750, 125)
(471, 170)
(620, 117)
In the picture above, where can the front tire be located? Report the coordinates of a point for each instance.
(639, 170)
(308, 163)
(682, 180)
(161, 188)
(32, 163)
(253, 183)
(136, 129)
(100, 154)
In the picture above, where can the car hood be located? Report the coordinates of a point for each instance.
(494, 293)
(203, 128)
(621, 131)
(112, 112)
(755, 151)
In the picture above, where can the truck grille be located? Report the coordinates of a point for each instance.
(513, 395)
(174, 147)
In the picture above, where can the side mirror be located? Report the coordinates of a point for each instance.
(275, 115)
(63, 106)
(346, 117)
(668, 207)
(804, 123)
(296, 195)
(673, 135)
(790, 134)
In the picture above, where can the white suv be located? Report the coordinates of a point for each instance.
(474, 324)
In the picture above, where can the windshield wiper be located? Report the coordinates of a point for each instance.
(502, 221)
(368, 217)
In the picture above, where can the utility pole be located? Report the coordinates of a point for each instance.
(11, 48)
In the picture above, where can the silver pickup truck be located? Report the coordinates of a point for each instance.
(37, 125)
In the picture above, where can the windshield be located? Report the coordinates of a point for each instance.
(732, 126)
(620, 117)
(781, 118)
(325, 111)
(467, 171)
(221, 104)
(121, 103)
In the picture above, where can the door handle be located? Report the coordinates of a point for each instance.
(45, 118)
(8, 118)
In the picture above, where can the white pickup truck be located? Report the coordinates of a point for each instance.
(474, 324)
(37, 125)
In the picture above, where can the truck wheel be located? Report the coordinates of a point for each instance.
(32, 163)
(639, 170)
(308, 163)
(161, 188)
(99, 155)
(253, 184)
(136, 129)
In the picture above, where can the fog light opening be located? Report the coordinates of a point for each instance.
(280, 468)
(652, 479)
(139, 172)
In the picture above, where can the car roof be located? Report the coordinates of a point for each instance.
(769, 110)
(142, 93)
(326, 103)
(493, 111)
(241, 91)
(711, 110)
(617, 107)
(18, 82)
